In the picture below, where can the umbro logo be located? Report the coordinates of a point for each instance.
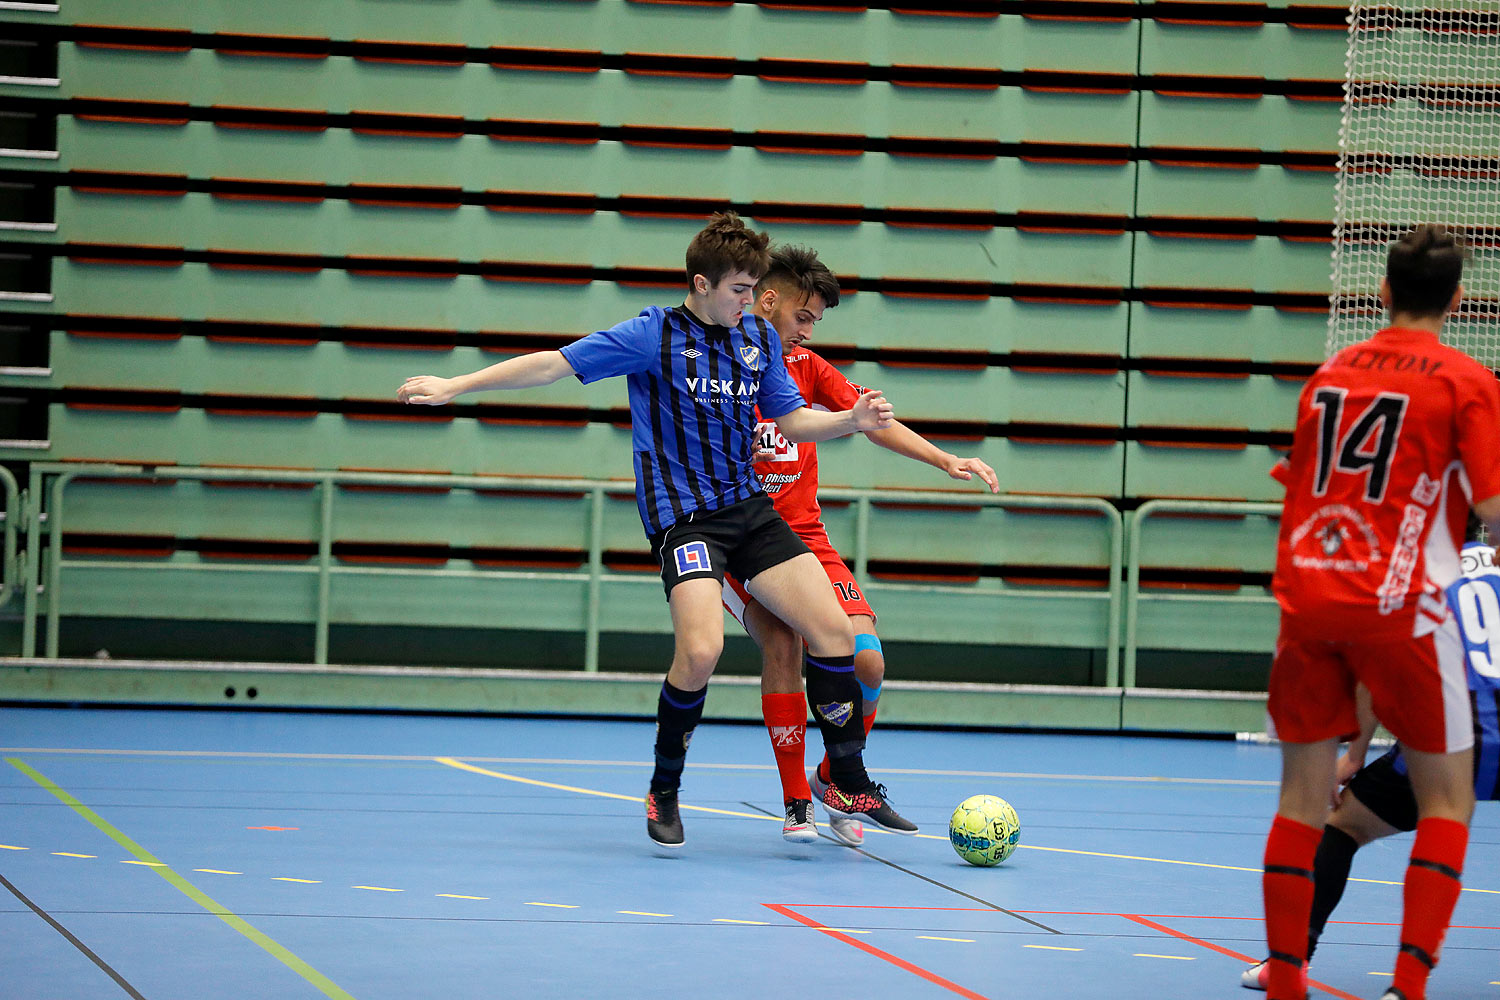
(690, 353)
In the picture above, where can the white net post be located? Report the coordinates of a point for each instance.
(1420, 143)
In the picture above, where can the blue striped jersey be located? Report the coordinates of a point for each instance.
(693, 389)
(1475, 601)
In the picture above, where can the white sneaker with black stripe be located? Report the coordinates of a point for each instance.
(799, 828)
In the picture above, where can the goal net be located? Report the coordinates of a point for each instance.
(1419, 143)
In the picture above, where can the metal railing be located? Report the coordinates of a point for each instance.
(43, 600)
(14, 519)
(1133, 533)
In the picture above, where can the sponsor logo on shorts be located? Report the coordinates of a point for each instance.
(692, 557)
(786, 736)
(836, 713)
(1337, 538)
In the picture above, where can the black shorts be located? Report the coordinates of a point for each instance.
(745, 538)
(1386, 792)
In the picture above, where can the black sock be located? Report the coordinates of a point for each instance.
(677, 715)
(838, 708)
(1330, 875)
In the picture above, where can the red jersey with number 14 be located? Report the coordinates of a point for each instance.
(790, 478)
(1396, 437)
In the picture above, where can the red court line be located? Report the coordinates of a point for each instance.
(1226, 951)
(869, 906)
(900, 963)
(1344, 923)
(1103, 913)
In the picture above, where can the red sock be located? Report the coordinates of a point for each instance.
(1288, 888)
(1432, 887)
(869, 724)
(786, 721)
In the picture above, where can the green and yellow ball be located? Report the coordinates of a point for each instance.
(984, 830)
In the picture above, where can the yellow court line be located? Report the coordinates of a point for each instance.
(216, 871)
(464, 766)
(1175, 958)
(376, 888)
(12, 847)
(557, 906)
(452, 895)
(145, 864)
(1131, 857)
(750, 923)
(1049, 947)
(706, 765)
(929, 937)
(641, 913)
(319, 981)
(70, 854)
(304, 881)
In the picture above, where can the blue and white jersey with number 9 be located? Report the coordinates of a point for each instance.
(1475, 601)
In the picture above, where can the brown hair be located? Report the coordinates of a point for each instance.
(726, 245)
(1422, 269)
(797, 269)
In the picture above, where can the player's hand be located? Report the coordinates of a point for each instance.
(1348, 766)
(968, 468)
(873, 412)
(427, 390)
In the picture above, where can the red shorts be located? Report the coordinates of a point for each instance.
(851, 598)
(1417, 687)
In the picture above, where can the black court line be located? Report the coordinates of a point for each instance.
(924, 878)
(111, 973)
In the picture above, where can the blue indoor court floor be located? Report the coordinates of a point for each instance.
(196, 855)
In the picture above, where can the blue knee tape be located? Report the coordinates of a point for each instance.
(865, 641)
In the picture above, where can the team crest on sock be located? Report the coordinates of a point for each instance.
(836, 712)
(786, 736)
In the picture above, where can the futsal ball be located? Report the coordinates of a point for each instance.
(984, 830)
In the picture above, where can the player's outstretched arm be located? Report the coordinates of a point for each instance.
(904, 441)
(872, 411)
(525, 372)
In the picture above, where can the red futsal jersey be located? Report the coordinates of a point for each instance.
(1396, 437)
(790, 477)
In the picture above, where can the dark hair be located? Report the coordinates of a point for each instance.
(725, 245)
(1422, 269)
(797, 269)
